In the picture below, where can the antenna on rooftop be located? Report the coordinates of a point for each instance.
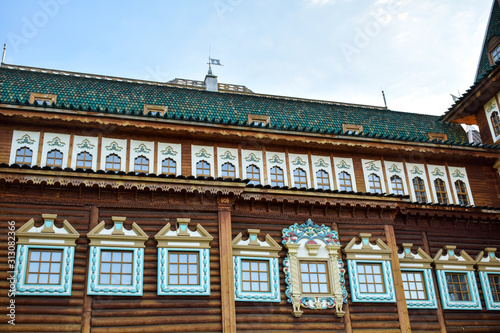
(4, 51)
(385, 102)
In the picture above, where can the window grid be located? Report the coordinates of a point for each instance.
(370, 278)
(253, 174)
(495, 121)
(113, 162)
(323, 180)
(440, 186)
(495, 54)
(397, 185)
(228, 170)
(374, 183)
(345, 183)
(141, 164)
(54, 158)
(255, 276)
(314, 277)
(463, 197)
(419, 188)
(494, 280)
(458, 286)
(414, 285)
(169, 167)
(24, 155)
(84, 160)
(202, 169)
(277, 177)
(116, 267)
(183, 268)
(44, 266)
(299, 178)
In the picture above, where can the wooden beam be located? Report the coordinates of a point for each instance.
(404, 318)
(226, 266)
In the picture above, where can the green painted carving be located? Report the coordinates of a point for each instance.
(343, 165)
(85, 144)
(169, 151)
(228, 156)
(142, 149)
(252, 158)
(276, 160)
(114, 146)
(203, 154)
(437, 173)
(56, 142)
(394, 169)
(416, 171)
(298, 161)
(25, 140)
(371, 167)
(491, 107)
(321, 164)
(457, 174)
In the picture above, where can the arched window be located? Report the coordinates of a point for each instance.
(397, 185)
(169, 167)
(84, 160)
(463, 196)
(493, 49)
(24, 155)
(113, 162)
(419, 188)
(495, 122)
(442, 196)
(345, 182)
(202, 169)
(277, 176)
(299, 178)
(253, 173)
(374, 183)
(54, 158)
(323, 180)
(141, 164)
(228, 170)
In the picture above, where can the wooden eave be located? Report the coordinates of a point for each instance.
(466, 109)
(145, 125)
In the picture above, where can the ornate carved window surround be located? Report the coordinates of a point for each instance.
(489, 273)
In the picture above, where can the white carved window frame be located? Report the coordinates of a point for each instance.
(448, 262)
(460, 173)
(322, 163)
(366, 252)
(182, 239)
(202, 153)
(26, 139)
(421, 173)
(249, 157)
(116, 238)
(299, 161)
(142, 148)
(56, 141)
(228, 155)
(344, 164)
(172, 151)
(306, 242)
(254, 249)
(45, 237)
(275, 159)
(419, 262)
(87, 144)
(395, 169)
(487, 265)
(111, 146)
(373, 167)
(489, 108)
(440, 172)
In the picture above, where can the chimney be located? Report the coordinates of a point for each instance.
(211, 81)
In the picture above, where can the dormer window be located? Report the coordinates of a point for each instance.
(156, 110)
(352, 129)
(437, 136)
(258, 120)
(493, 50)
(41, 98)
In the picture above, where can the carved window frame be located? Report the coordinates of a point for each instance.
(118, 147)
(202, 153)
(41, 97)
(489, 108)
(156, 110)
(372, 167)
(255, 249)
(46, 237)
(449, 263)
(419, 262)
(144, 149)
(55, 141)
(352, 129)
(26, 139)
(344, 164)
(116, 238)
(488, 265)
(310, 241)
(366, 252)
(460, 173)
(184, 240)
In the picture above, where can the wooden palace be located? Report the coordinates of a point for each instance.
(196, 206)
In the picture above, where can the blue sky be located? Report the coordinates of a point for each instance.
(417, 51)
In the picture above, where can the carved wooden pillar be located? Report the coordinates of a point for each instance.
(226, 266)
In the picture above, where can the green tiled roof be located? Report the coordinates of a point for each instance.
(492, 30)
(113, 96)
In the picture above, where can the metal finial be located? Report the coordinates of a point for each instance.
(4, 51)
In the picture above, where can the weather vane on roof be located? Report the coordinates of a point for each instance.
(211, 61)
